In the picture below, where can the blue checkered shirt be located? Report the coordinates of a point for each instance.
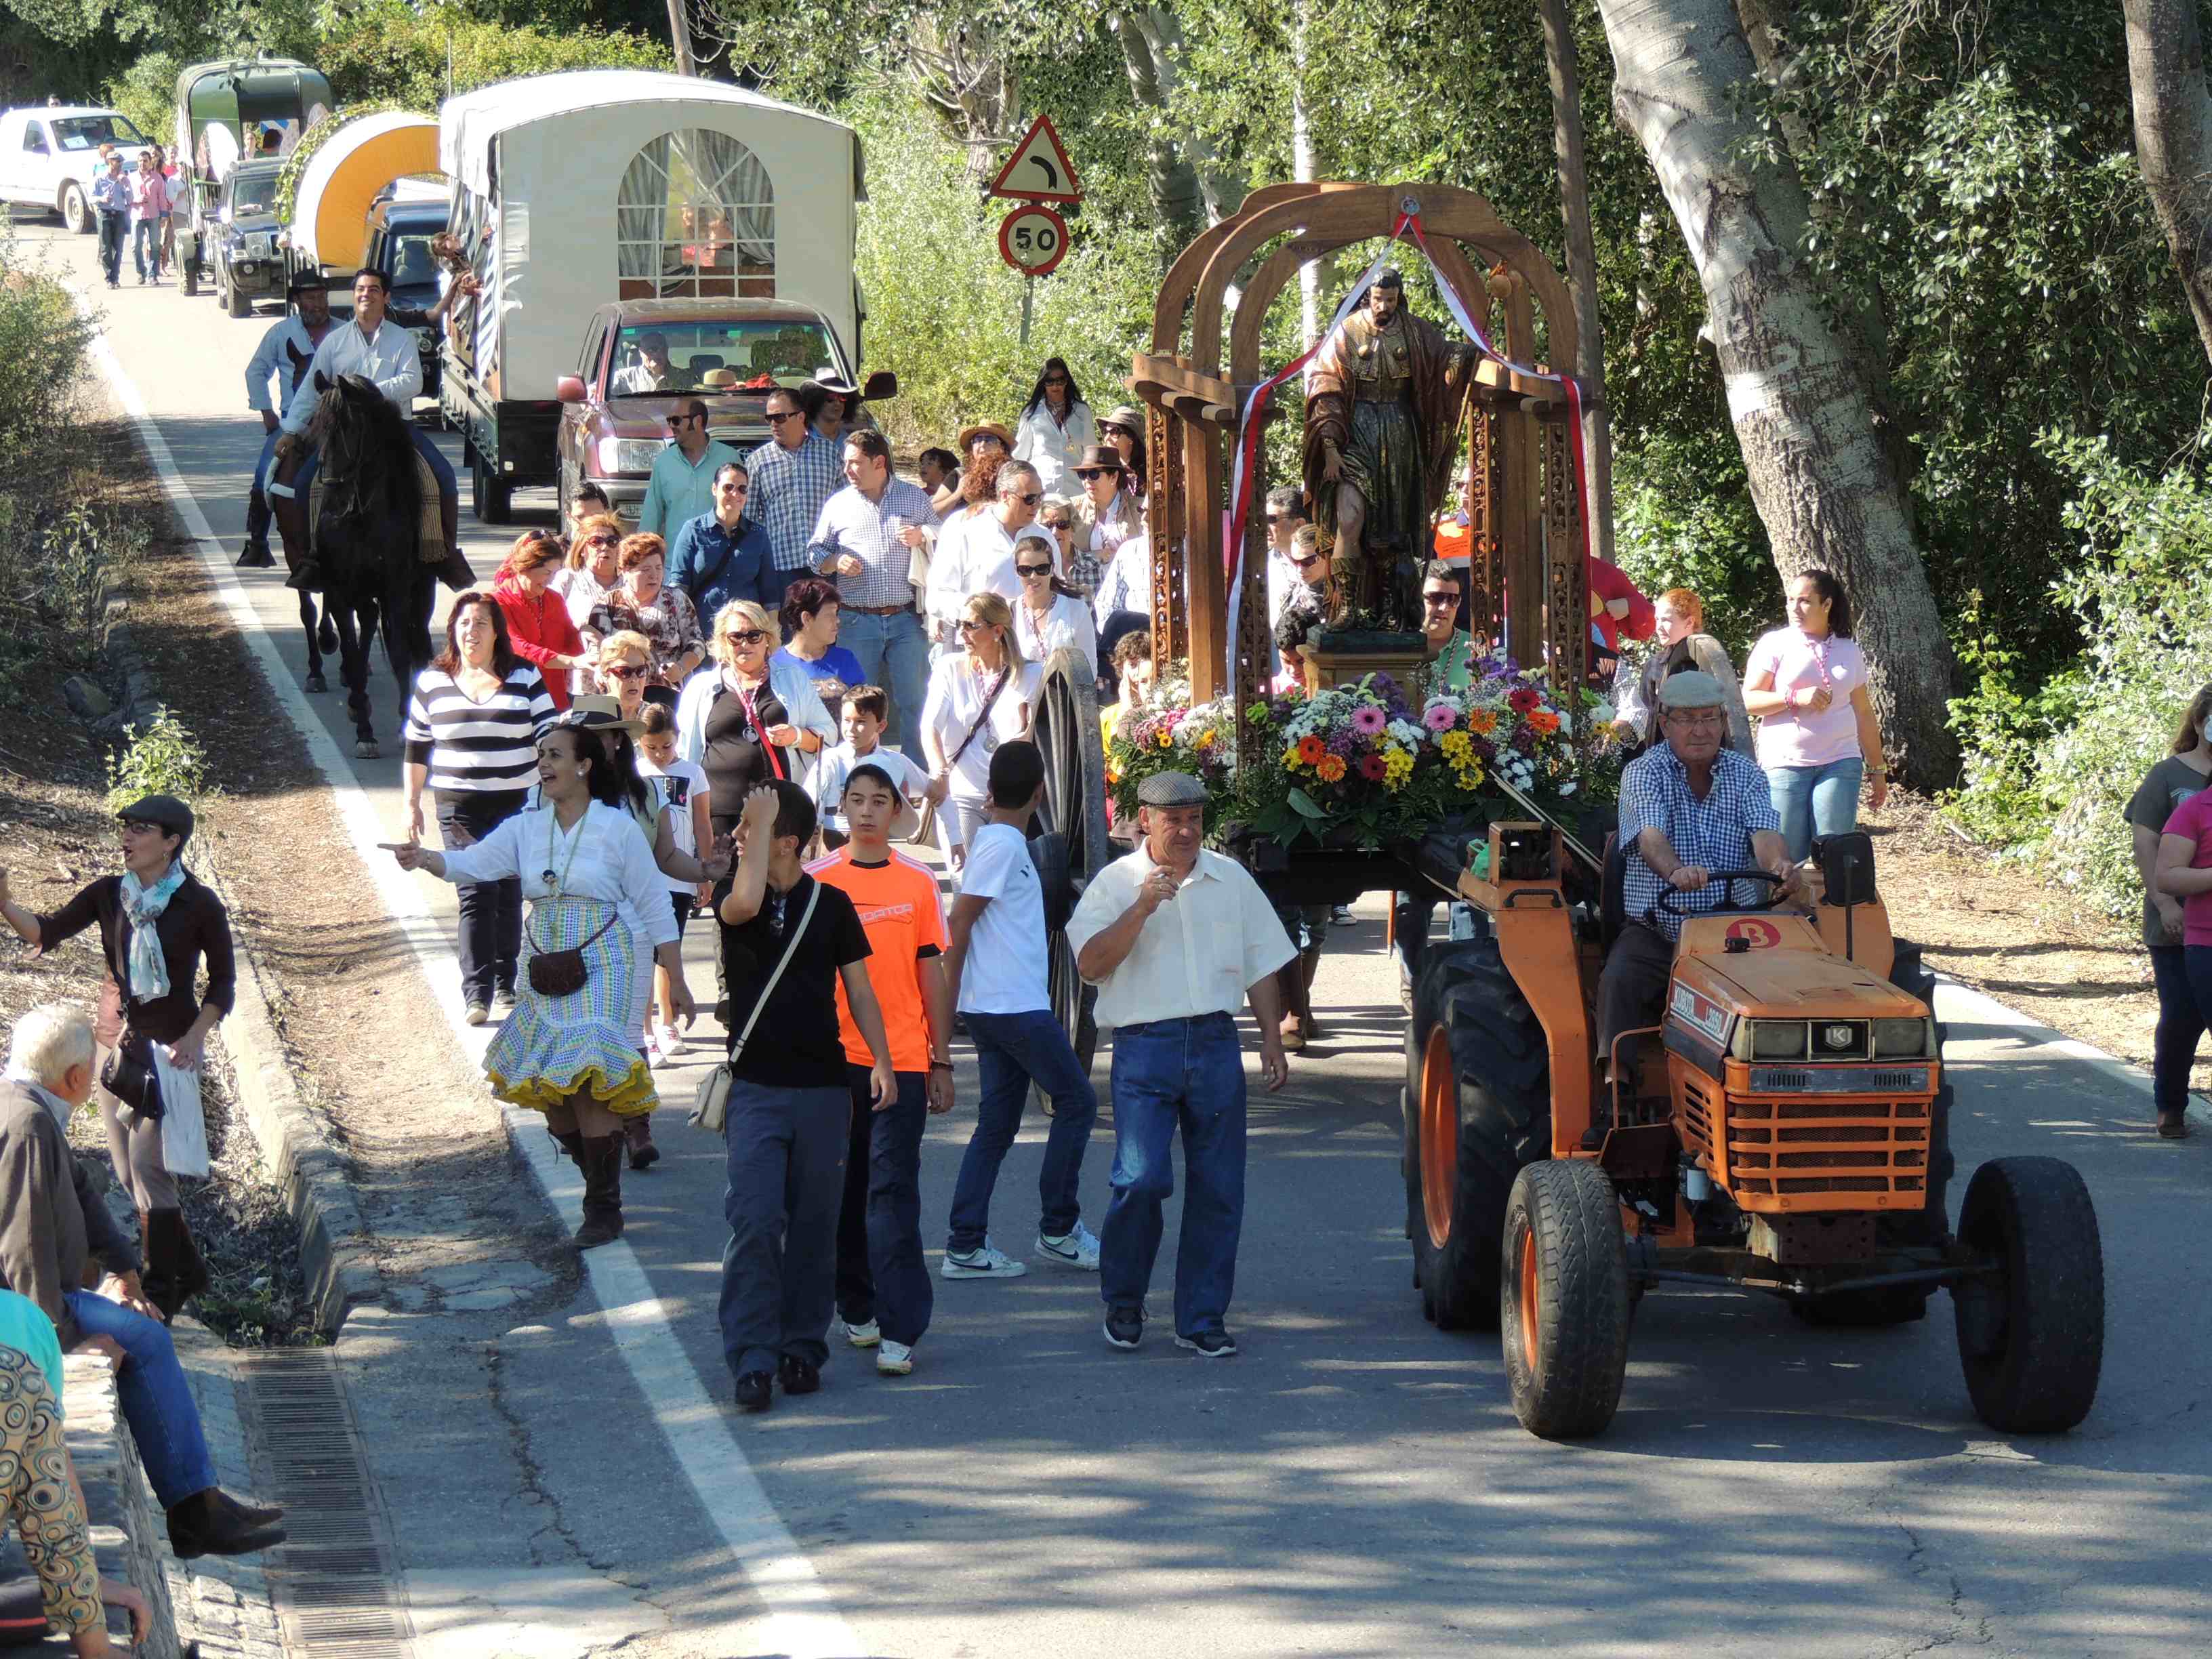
(1713, 834)
(788, 489)
(851, 523)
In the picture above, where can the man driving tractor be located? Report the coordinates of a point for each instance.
(1688, 806)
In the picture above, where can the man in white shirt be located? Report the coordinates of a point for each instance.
(378, 351)
(281, 359)
(1177, 938)
(981, 557)
(1286, 511)
(1000, 984)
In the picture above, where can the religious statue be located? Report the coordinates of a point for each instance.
(1384, 397)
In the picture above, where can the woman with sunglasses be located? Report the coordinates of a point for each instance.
(1055, 429)
(592, 576)
(1124, 430)
(978, 699)
(646, 603)
(1050, 614)
(538, 622)
(472, 735)
(752, 720)
(726, 554)
(1306, 608)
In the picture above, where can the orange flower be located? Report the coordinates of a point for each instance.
(1311, 749)
(1481, 722)
(1328, 768)
(1543, 720)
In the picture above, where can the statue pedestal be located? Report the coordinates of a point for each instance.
(1345, 658)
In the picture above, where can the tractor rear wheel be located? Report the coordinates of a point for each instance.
(1477, 1109)
(1563, 1299)
(2031, 1332)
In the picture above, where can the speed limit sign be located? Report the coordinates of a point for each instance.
(1033, 240)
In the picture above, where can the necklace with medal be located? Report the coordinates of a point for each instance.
(553, 883)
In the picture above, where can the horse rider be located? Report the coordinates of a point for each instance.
(282, 356)
(376, 348)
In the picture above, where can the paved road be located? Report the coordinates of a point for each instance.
(1353, 1484)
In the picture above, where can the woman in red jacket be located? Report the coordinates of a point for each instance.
(538, 620)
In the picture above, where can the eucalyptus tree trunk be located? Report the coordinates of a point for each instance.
(1588, 366)
(2173, 138)
(1797, 387)
(1190, 189)
(679, 37)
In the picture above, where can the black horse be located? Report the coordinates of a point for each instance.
(367, 532)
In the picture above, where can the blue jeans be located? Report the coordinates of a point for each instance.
(2180, 1024)
(1012, 1050)
(881, 1272)
(1171, 1073)
(894, 653)
(1816, 801)
(146, 247)
(787, 1178)
(111, 245)
(257, 503)
(157, 1400)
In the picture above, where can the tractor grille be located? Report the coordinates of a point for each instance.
(1776, 1154)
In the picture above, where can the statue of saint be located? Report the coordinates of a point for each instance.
(1384, 397)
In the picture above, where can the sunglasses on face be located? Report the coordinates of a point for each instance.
(748, 636)
(687, 420)
(737, 489)
(1030, 500)
(628, 672)
(1284, 518)
(1439, 599)
(1056, 380)
(969, 625)
(1306, 559)
(142, 827)
(1028, 570)
(602, 541)
(776, 419)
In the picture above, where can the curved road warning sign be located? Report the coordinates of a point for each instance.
(1038, 170)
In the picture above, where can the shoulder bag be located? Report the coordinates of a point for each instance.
(562, 973)
(710, 1104)
(130, 1076)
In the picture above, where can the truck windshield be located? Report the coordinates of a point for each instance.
(728, 354)
(254, 193)
(75, 132)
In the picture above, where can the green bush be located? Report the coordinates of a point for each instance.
(946, 312)
(389, 51)
(164, 759)
(43, 346)
(2049, 766)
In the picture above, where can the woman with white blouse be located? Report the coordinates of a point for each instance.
(568, 1049)
(1054, 430)
(978, 699)
(1050, 614)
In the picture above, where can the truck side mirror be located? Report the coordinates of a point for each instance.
(881, 384)
(569, 388)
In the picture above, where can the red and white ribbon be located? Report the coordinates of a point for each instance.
(1248, 427)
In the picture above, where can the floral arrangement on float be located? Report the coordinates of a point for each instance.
(1168, 734)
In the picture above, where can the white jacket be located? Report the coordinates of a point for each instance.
(1055, 450)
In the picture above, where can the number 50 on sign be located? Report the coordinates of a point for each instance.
(1033, 240)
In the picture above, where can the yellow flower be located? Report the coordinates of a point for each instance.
(1206, 741)
(1167, 740)
(1456, 745)
(1291, 758)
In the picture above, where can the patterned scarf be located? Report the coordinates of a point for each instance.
(149, 972)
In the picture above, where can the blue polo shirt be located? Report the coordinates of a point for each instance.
(700, 546)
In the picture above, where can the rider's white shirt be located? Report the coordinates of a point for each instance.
(389, 358)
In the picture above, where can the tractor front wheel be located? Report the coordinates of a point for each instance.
(1563, 1299)
(2032, 1329)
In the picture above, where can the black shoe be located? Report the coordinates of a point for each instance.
(307, 578)
(250, 1514)
(2173, 1126)
(1125, 1327)
(799, 1376)
(201, 1526)
(255, 555)
(503, 999)
(1209, 1345)
(755, 1391)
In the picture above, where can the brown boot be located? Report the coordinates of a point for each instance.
(1293, 1030)
(571, 1143)
(175, 1271)
(1308, 964)
(602, 1166)
(637, 1135)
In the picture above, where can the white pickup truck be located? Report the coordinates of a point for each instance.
(48, 155)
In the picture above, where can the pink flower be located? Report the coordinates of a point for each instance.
(1440, 717)
(1368, 721)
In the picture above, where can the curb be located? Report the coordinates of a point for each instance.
(1987, 1011)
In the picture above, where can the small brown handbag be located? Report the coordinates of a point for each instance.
(562, 973)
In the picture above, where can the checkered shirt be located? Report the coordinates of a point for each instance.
(851, 523)
(788, 489)
(1713, 834)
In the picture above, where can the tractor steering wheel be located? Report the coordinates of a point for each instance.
(1669, 892)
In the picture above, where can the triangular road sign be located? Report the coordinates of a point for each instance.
(1038, 170)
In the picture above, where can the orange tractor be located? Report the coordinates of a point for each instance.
(1784, 1129)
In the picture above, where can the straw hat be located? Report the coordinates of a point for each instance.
(985, 429)
(596, 712)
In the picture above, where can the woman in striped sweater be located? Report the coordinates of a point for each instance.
(473, 731)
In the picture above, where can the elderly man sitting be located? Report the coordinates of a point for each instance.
(52, 1227)
(1688, 807)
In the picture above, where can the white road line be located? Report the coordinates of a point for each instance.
(801, 1622)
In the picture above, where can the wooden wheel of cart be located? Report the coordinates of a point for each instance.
(1071, 846)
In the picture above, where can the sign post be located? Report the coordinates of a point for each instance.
(1033, 238)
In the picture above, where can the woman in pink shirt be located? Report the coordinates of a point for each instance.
(2184, 872)
(1817, 736)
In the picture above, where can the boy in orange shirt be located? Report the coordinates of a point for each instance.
(884, 1293)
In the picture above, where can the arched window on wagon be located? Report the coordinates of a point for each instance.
(695, 219)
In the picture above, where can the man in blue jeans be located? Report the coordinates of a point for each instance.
(1177, 939)
(998, 966)
(51, 1225)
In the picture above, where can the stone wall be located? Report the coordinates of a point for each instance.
(130, 1535)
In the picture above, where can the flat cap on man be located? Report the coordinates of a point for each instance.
(1690, 691)
(1171, 789)
(163, 811)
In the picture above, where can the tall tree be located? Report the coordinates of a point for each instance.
(1797, 390)
(1581, 245)
(2173, 138)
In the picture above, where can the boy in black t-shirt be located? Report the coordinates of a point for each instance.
(790, 1103)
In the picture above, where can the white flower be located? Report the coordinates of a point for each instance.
(1408, 736)
(1604, 713)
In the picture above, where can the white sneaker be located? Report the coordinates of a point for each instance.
(1079, 1248)
(652, 1051)
(893, 1359)
(983, 1263)
(671, 1044)
(862, 1336)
